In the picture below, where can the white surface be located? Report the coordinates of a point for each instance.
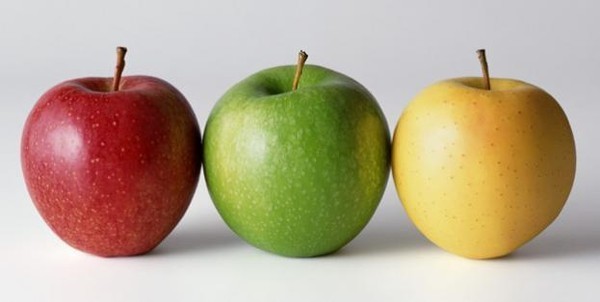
(394, 48)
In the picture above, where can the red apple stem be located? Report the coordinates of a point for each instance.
(121, 51)
(484, 69)
(302, 56)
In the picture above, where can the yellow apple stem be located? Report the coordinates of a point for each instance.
(302, 56)
(121, 51)
(484, 69)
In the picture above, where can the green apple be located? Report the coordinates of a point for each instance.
(483, 166)
(297, 172)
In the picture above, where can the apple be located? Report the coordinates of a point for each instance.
(483, 166)
(111, 164)
(297, 168)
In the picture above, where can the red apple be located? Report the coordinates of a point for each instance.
(112, 164)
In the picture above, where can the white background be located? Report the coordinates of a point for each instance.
(394, 48)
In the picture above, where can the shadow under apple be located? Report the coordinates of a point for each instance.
(382, 240)
(566, 240)
(198, 238)
(575, 233)
(389, 231)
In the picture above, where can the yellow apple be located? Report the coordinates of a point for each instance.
(481, 172)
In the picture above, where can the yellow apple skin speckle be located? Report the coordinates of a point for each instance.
(482, 172)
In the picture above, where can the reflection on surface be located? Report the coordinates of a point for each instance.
(66, 142)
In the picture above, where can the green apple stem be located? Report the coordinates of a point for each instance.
(302, 56)
(121, 51)
(484, 69)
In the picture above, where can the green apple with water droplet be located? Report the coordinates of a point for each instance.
(297, 159)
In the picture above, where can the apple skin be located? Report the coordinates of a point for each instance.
(297, 173)
(482, 172)
(112, 173)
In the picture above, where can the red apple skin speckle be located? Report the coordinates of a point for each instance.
(112, 173)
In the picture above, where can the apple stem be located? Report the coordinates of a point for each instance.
(302, 56)
(484, 69)
(121, 51)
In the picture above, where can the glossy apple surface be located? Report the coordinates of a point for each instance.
(297, 173)
(111, 173)
(482, 172)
